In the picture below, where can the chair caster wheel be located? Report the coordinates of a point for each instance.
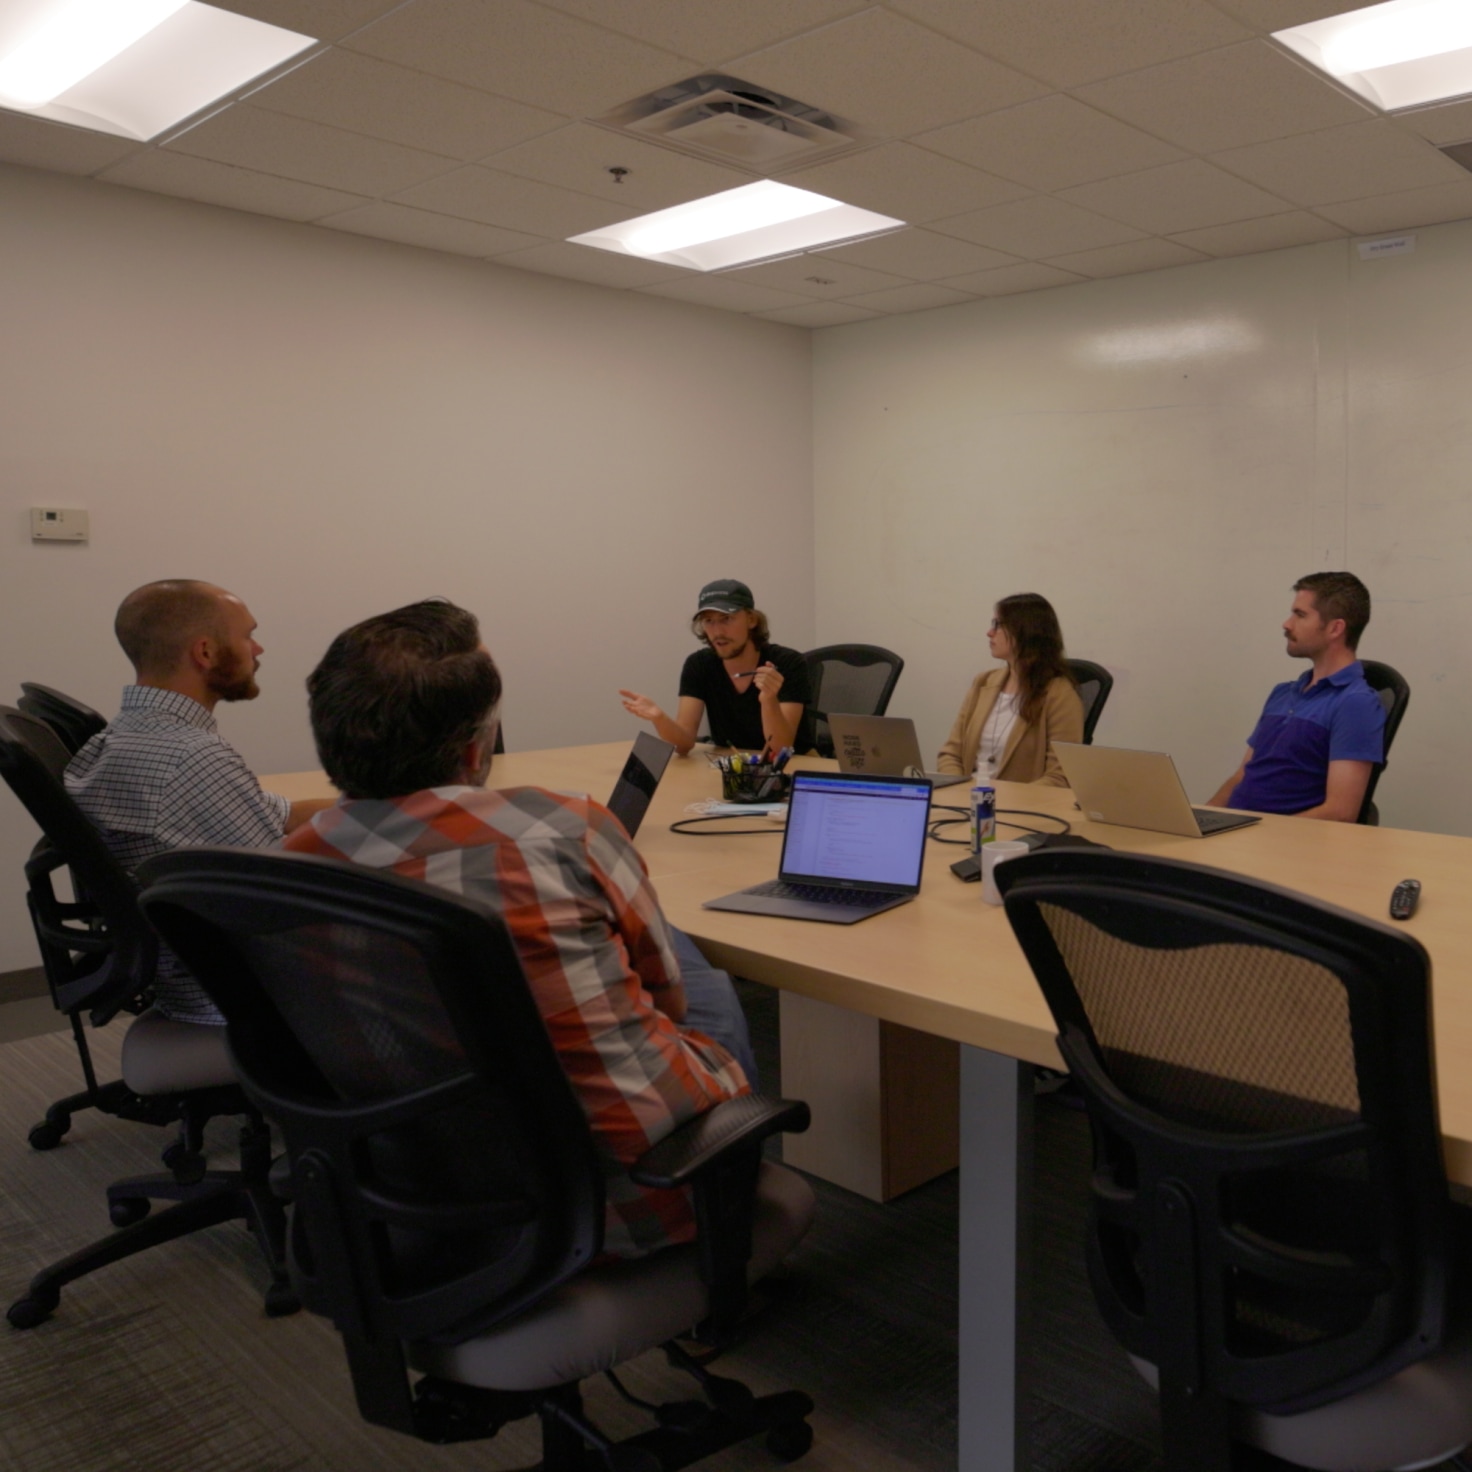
(791, 1441)
(33, 1309)
(48, 1134)
(128, 1209)
(281, 1301)
(187, 1167)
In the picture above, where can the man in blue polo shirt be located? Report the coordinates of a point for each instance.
(1320, 736)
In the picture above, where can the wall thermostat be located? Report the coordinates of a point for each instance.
(57, 524)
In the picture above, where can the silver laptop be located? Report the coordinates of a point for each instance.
(1139, 789)
(884, 744)
(636, 783)
(854, 846)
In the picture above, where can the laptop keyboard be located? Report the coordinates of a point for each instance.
(821, 894)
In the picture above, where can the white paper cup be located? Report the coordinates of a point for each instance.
(992, 854)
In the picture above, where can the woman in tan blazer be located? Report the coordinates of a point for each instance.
(1012, 716)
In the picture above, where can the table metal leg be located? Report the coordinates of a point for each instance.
(995, 1253)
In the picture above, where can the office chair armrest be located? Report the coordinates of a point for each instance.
(679, 1158)
(719, 1155)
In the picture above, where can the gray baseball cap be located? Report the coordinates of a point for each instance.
(725, 595)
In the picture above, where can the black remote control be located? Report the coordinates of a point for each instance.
(1404, 899)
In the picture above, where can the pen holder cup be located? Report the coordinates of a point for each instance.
(755, 786)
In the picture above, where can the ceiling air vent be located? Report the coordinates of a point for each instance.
(732, 122)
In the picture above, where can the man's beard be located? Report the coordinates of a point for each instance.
(230, 680)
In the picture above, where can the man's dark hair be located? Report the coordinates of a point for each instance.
(398, 697)
(156, 623)
(1339, 595)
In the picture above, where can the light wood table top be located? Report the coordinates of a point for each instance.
(948, 963)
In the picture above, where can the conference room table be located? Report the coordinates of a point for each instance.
(947, 965)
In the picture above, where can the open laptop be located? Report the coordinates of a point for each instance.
(1139, 789)
(883, 744)
(854, 846)
(640, 776)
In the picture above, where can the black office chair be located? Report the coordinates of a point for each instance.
(99, 956)
(1395, 695)
(1271, 1236)
(75, 723)
(1094, 684)
(448, 1200)
(854, 679)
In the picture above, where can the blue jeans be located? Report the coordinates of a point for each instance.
(712, 1006)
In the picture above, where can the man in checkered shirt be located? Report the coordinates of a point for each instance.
(404, 713)
(161, 776)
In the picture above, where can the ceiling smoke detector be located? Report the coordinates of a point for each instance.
(727, 120)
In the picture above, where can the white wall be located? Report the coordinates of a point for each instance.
(1162, 456)
(331, 426)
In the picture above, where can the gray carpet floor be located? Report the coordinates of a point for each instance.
(167, 1363)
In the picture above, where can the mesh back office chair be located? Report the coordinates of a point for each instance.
(1094, 684)
(1395, 694)
(74, 723)
(1271, 1236)
(856, 679)
(99, 955)
(448, 1198)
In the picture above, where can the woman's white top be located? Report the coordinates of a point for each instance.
(994, 736)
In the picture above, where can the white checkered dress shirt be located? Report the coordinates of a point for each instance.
(162, 777)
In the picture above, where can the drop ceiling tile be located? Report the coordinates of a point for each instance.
(1449, 123)
(584, 263)
(406, 226)
(474, 193)
(1010, 280)
(886, 74)
(919, 296)
(524, 51)
(1125, 260)
(293, 148)
(711, 30)
(1404, 209)
(1049, 144)
(1066, 42)
(723, 291)
(818, 275)
(1185, 196)
(580, 155)
(921, 255)
(42, 145)
(1274, 232)
(1343, 163)
(1227, 99)
(1279, 15)
(906, 182)
(820, 314)
(364, 95)
(187, 177)
(325, 20)
(1037, 227)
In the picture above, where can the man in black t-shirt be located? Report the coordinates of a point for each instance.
(754, 691)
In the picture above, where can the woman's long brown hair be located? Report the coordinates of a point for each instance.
(1037, 648)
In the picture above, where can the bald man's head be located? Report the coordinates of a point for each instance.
(160, 626)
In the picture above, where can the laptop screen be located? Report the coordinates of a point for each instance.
(632, 792)
(859, 832)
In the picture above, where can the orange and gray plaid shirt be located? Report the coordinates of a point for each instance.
(577, 899)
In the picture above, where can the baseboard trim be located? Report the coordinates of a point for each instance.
(17, 986)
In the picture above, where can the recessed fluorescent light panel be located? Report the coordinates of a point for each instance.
(756, 222)
(130, 67)
(1406, 53)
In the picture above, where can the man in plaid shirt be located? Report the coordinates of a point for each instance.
(404, 714)
(161, 776)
